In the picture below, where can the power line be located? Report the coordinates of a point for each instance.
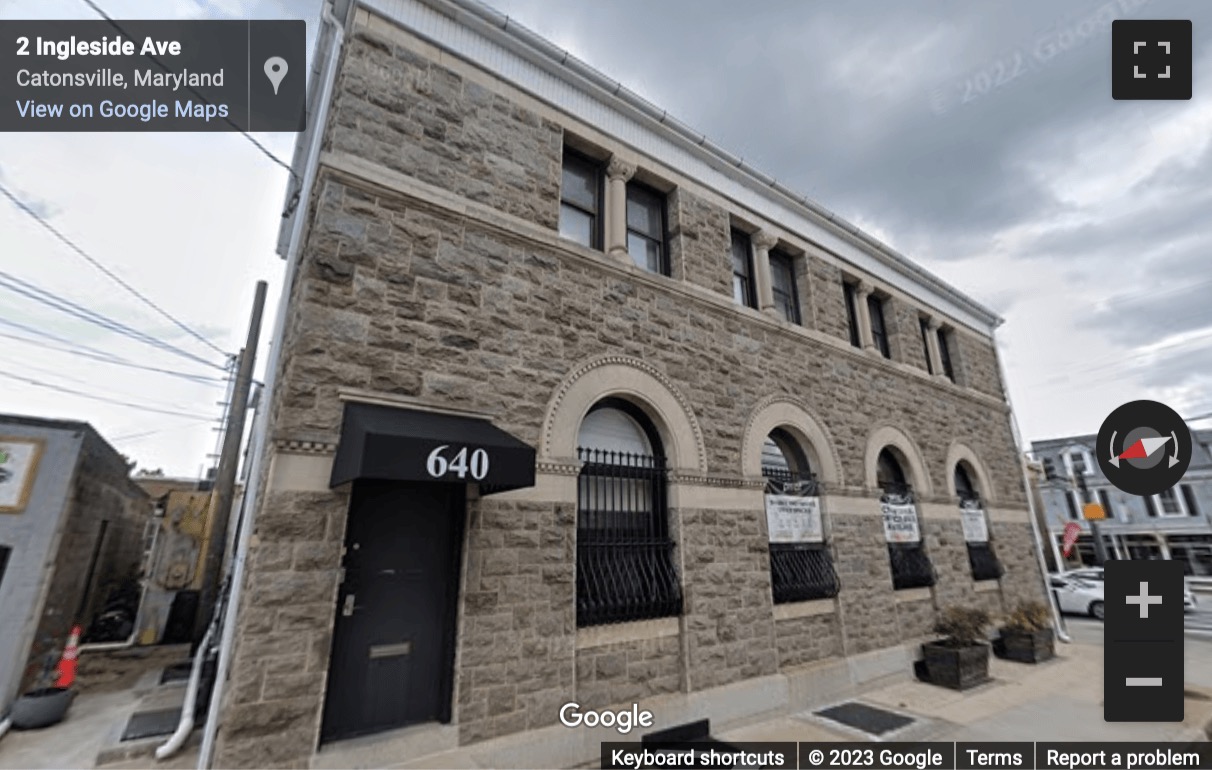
(81, 394)
(105, 270)
(145, 434)
(78, 381)
(264, 150)
(106, 358)
(63, 305)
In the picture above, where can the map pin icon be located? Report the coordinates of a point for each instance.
(275, 70)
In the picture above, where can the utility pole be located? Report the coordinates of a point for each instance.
(1100, 549)
(224, 489)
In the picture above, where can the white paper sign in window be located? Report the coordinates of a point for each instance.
(900, 523)
(793, 519)
(976, 528)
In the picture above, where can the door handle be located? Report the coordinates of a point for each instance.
(348, 608)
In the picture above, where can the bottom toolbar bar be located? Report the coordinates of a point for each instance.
(911, 756)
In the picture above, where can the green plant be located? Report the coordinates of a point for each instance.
(1029, 617)
(963, 626)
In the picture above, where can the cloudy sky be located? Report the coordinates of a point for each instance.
(978, 138)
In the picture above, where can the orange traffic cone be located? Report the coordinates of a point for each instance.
(67, 665)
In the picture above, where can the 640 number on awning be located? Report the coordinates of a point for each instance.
(462, 464)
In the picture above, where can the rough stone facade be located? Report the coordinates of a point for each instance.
(432, 273)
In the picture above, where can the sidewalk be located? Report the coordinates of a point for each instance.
(1060, 700)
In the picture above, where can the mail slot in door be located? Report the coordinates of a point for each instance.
(390, 650)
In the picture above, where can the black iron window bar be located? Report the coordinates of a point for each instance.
(911, 567)
(981, 556)
(624, 551)
(799, 571)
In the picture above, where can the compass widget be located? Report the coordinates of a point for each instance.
(1144, 447)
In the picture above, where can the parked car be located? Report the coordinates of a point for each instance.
(1096, 573)
(1077, 595)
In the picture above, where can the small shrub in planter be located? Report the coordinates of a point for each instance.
(1027, 636)
(960, 660)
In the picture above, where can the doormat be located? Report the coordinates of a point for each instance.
(869, 719)
(148, 724)
(177, 672)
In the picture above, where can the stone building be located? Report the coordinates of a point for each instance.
(71, 533)
(571, 405)
(1173, 525)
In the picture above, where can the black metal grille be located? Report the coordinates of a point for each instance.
(911, 567)
(624, 552)
(799, 571)
(985, 565)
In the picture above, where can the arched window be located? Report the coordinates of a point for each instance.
(624, 549)
(799, 570)
(981, 556)
(911, 567)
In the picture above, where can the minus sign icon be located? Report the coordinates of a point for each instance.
(1143, 681)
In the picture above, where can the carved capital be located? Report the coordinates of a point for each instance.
(619, 169)
(932, 324)
(765, 240)
(864, 288)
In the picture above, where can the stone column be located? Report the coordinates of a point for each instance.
(763, 242)
(861, 292)
(936, 358)
(618, 171)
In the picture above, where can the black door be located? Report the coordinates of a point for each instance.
(393, 648)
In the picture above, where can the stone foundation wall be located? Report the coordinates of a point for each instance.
(728, 604)
(1015, 546)
(517, 633)
(626, 672)
(867, 600)
(916, 618)
(807, 639)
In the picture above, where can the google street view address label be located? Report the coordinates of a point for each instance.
(153, 75)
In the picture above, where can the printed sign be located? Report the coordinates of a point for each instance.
(18, 465)
(900, 523)
(976, 528)
(792, 519)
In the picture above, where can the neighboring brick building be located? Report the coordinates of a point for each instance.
(71, 529)
(512, 271)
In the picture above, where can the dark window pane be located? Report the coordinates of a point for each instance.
(576, 225)
(1104, 500)
(1072, 505)
(742, 270)
(1189, 499)
(984, 562)
(925, 325)
(911, 567)
(782, 277)
(580, 184)
(646, 252)
(879, 334)
(944, 353)
(645, 212)
(852, 313)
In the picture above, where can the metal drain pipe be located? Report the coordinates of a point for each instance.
(186, 725)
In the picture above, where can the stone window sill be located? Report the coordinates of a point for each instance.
(912, 595)
(620, 633)
(805, 609)
(987, 586)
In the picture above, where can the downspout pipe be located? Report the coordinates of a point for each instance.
(1058, 622)
(259, 437)
(186, 725)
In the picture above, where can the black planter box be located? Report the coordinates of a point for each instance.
(959, 668)
(1027, 646)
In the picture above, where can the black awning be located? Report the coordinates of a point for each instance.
(392, 444)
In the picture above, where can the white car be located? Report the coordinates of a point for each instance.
(1096, 574)
(1078, 595)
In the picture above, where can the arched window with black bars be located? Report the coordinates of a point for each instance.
(799, 571)
(981, 556)
(911, 566)
(624, 547)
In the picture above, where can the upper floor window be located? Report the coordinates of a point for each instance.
(743, 289)
(879, 332)
(850, 294)
(782, 279)
(925, 327)
(944, 354)
(581, 200)
(646, 228)
(1104, 500)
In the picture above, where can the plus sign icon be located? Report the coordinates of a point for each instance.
(1151, 59)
